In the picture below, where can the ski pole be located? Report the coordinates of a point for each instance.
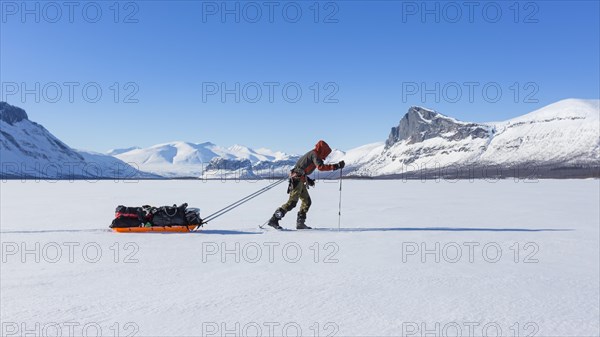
(340, 204)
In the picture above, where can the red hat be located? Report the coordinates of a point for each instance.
(322, 149)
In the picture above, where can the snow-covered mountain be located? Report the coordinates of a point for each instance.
(28, 150)
(115, 152)
(566, 132)
(562, 135)
(184, 159)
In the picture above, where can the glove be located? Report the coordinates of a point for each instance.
(339, 165)
(310, 182)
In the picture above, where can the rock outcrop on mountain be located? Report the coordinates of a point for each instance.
(420, 124)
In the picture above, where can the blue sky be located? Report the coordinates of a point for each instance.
(371, 60)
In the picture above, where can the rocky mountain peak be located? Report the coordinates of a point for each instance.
(420, 124)
(11, 114)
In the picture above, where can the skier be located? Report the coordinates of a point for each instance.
(300, 181)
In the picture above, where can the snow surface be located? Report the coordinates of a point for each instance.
(174, 286)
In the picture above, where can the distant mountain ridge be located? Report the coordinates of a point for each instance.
(561, 135)
(184, 159)
(558, 140)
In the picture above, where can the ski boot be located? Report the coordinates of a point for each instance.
(278, 215)
(300, 222)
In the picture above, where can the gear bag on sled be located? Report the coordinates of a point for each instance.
(156, 219)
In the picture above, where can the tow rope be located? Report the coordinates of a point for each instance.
(240, 202)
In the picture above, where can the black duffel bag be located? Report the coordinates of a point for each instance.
(192, 216)
(131, 212)
(169, 215)
(130, 216)
(125, 222)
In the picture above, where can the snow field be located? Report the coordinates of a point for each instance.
(466, 258)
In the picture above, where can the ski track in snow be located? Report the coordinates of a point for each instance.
(359, 284)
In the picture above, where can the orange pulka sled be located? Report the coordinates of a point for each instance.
(195, 227)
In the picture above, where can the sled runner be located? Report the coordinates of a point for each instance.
(156, 229)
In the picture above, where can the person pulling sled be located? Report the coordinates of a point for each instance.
(300, 181)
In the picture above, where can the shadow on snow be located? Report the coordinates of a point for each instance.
(203, 231)
(442, 229)
(346, 230)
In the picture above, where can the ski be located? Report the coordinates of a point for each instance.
(266, 226)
